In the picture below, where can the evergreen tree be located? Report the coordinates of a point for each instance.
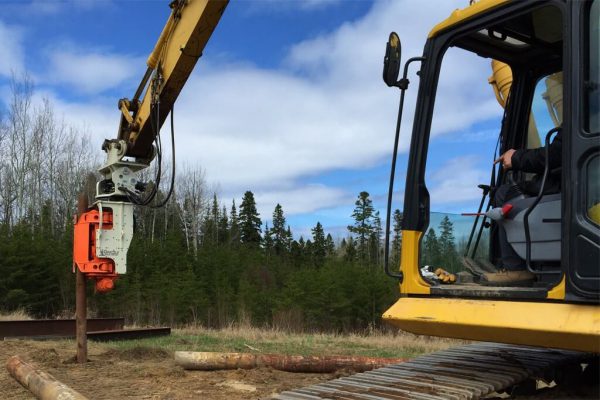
(289, 239)
(223, 227)
(375, 239)
(214, 218)
(319, 247)
(280, 237)
(350, 253)
(363, 213)
(250, 223)
(397, 239)
(448, 254)
(234, 225)
(431, 252)
(298, 251)
(268, 243)
(329, 245)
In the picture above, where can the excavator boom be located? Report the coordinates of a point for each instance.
(175, 54)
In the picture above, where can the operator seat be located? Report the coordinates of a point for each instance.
(544, 227)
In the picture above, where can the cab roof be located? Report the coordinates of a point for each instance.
(460, 15)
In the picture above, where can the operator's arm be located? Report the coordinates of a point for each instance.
(534, 160)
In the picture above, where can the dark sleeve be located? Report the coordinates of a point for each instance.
(533, 160)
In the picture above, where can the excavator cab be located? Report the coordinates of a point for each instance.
(545, 56)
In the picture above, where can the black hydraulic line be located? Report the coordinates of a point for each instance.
(485, 192)
(142, 85)
(403, 85)
(483, 221)
(166, 200)
(534, 205)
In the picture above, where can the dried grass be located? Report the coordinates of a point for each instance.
(16, 315)
(373, 340)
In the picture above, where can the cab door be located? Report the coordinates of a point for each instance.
(582, 188)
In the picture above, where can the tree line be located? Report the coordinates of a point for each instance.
(196, 260)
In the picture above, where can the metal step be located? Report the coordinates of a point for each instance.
(467, 372)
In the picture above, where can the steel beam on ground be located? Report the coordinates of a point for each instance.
(56, 327)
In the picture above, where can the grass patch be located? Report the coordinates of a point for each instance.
(16, 315)
(254, 340)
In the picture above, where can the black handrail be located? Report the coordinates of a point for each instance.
(534, 205)
(403, 85)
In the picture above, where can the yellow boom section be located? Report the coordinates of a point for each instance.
(460, 15)
(175, 54)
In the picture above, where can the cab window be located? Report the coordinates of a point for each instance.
(546, 109)
(592, 76)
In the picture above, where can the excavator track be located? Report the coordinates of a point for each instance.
(467, 372)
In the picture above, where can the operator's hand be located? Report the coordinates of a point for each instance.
(506, 159)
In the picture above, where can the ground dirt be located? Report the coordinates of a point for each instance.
(143, 373)
(150, 373)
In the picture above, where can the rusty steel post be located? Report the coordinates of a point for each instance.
(43, 385)
(81, 297)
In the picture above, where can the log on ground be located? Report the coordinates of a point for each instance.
(43, 385)
(210, 361)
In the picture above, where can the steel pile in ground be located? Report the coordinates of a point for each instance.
(56, 327)
(466, 372)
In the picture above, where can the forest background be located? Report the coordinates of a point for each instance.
(199, 259)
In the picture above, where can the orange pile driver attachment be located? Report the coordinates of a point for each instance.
(100, 243)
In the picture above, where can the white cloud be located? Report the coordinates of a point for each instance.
(456, 181)
(299, 200)
(92, 72)
(12, 59)
(326, 108)
(313, 4)
(290, 5)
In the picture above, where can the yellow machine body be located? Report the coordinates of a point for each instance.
(557, 320)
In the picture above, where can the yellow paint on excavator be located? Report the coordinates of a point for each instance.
(548, 324)
(460, 15)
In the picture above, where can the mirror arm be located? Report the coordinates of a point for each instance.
(402, 84)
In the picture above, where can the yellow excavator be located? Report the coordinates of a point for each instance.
(548, 331)
(558, 235)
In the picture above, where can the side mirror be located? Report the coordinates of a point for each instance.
(391, 62)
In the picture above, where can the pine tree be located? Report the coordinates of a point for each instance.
(363, 213)
(298, 251)
(375, 239)
(280, 238)
(319, 245)
(268, 243)
(448, 254)
(234, 225)
(350, 253)
(214, 217)
(329, 245)
(250, 223)
(288, 238)
(431, 249)
(223, 227)
(397, 240)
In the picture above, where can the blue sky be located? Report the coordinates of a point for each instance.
(287, 100)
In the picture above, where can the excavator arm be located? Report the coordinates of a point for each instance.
(175, 54)
(103, 233)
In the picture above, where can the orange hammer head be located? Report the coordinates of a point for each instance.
(104, 285)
